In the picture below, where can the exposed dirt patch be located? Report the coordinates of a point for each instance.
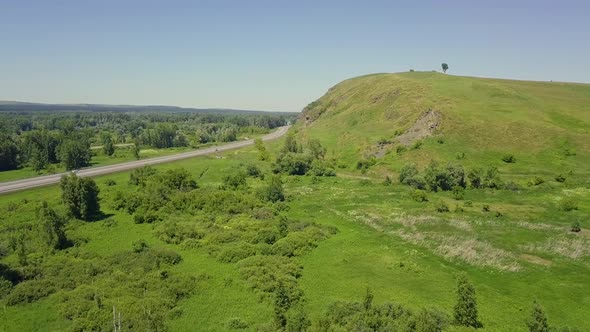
(536, 260)
(424, 127)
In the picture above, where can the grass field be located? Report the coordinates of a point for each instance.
(519, 250)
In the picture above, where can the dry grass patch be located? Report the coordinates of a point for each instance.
(570, 246)
(536, 260)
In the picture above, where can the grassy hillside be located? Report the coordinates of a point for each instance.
(541, 123)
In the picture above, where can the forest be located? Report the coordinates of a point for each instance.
(41, 141)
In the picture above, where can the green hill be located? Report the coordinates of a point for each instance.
(543, 124)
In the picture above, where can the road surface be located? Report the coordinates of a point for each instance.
(6, 187)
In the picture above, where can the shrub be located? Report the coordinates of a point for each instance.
(254, 171)
(567, 204)
(419, 195)
(468, 204)
(400, 149)
(273, 191)
(110, 182)
(293, 163)
(417, 145)
(139, 245)
(442, 207)
(236, 324)
(499, 214)
(364, 164)
(408, 171)
(536, 181)
(465, 311)
(387, 181)
(320, 168)
(560, 178)
(485, 208)
(29, 291)
(140, 176)
(509, 158)
(458, 208)
(460, 155)
(458, 193)
(576, 227)
(440, 140)
(444, 179)
(512, 186)
(234, 181)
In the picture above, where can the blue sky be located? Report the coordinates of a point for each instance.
(273, 55)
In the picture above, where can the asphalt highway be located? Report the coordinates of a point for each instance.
(6, 187)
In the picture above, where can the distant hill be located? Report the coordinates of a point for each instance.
(474, 121)
(14, 106)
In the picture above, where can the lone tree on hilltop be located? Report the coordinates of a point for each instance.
(445, 67)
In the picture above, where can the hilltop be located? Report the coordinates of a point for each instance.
(419, 116)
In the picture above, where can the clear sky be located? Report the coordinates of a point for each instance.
(273, 55)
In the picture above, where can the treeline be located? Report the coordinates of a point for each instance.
(42, 140)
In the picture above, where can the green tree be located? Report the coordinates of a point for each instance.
(538, 320)
(282, 303)
(316, 149)
(262, 152)
(445, 67)
(53, 226)
(108, 147)
(465, 312)
(291, 144)
(80, 195)
(135, 150)
(74, 153)
(8, 153)
(297, 320)
(273, 191)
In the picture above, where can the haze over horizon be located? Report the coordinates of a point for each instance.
(272, 55)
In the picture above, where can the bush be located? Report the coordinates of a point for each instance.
(407, 172)
(364, 164)
(387, 181)
(417, 145)
(110, 182)
(400, 149)
(560, 178)
(499, 214)
(29, 291)
(444, 178)
(576, 227)
(488, 178)
(458, 208)
(440, 140)
(236, 324)
(536, 181)
(460, 155)
(442, 207)
(138, 246)
(567, 204)
(468, 204)
(419, 195)
(254, 171)
(234, 181)
(485, 208)
(509, 158)
(458, 193)
(273, 191)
